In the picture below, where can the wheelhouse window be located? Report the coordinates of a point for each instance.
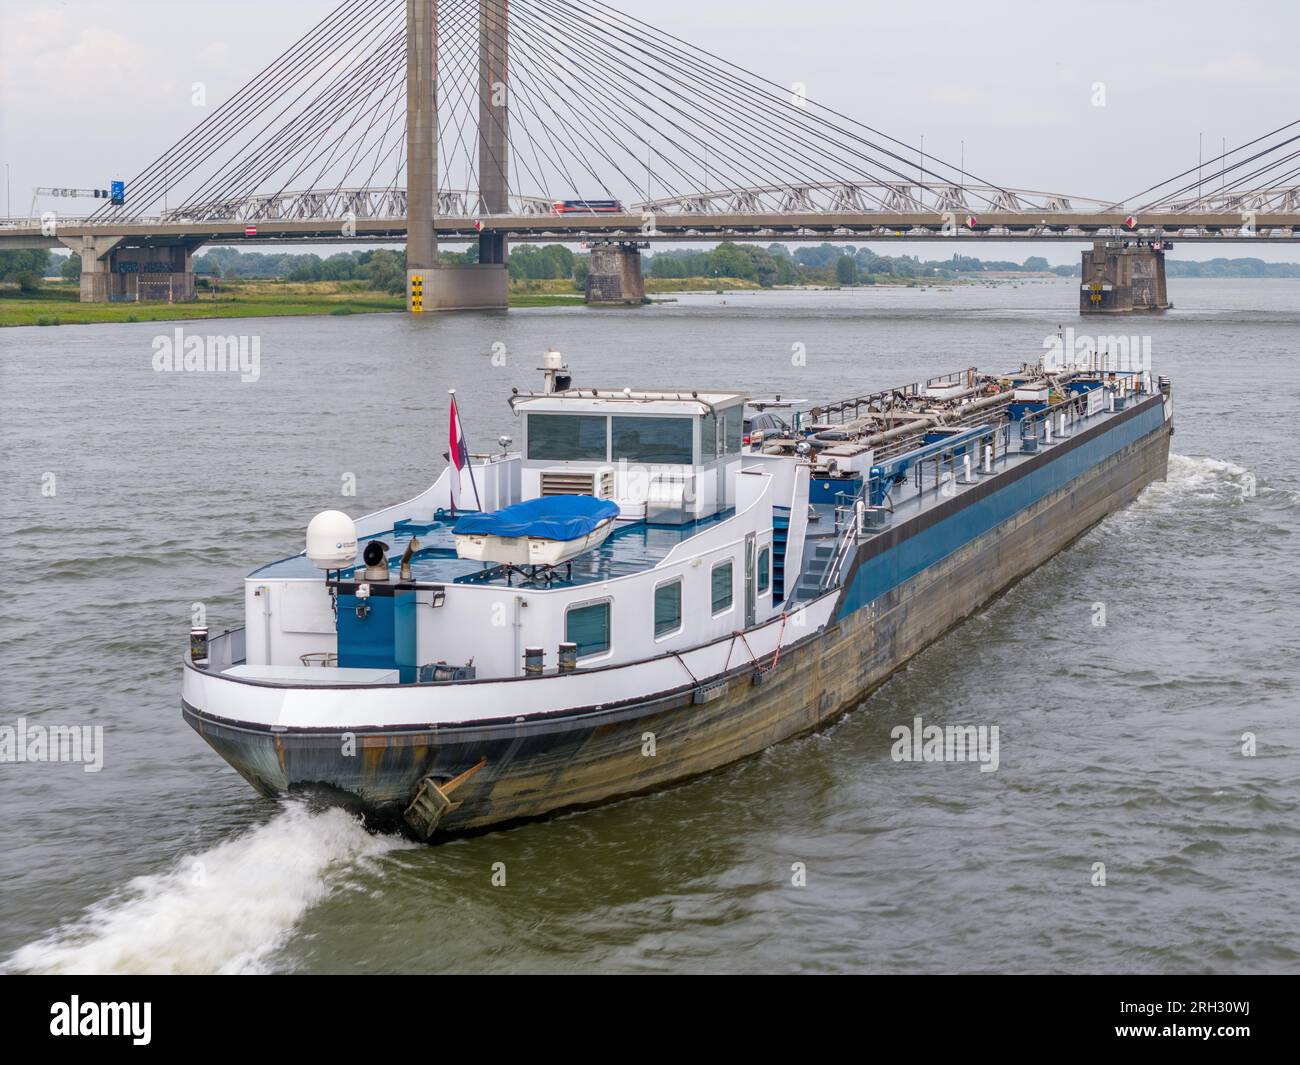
(722, 587)
(568, 437)
(734, 427)
(764, 570)
(709, 437)
(588, 627)
(653, 440)
(668, 608)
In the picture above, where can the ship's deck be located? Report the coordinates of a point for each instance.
(632, 546)
(907, 500)
(915, 496)
(636, 546)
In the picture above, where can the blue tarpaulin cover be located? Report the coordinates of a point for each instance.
(552, 518)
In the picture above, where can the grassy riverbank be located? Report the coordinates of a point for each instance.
(57, 302)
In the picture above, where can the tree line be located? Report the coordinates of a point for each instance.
(822, 264)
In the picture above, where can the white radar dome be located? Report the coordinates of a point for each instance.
(552, 360)
(332, 540)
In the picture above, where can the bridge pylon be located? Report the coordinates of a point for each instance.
(433, 285)
(493, 124)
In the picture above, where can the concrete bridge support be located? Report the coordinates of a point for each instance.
(112, 270)
(432, 285)
(493, 124)
(421, 148)
(468, 288)
(1120, 278)
(615, 275)
(95, 276)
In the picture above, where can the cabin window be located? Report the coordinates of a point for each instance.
(709, 437)
(653, 440)
(733, 421)
(764, 570)
(568, 437)
(588, 627)
(668, 608)
(722, 592)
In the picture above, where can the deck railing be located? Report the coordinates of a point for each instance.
(1059, 419)
(969, 449)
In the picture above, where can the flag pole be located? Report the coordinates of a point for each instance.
(468, 458)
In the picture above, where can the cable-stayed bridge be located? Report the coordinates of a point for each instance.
(500, 121)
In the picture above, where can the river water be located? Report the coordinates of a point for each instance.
(129, 495)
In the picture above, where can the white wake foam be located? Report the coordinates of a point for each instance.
(1211, 478)
(220, 911)
(1200, 473)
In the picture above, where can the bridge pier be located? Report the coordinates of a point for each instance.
(615, 274)
(474, 287)
(1120, 278)
(95, 276)
(111, 270)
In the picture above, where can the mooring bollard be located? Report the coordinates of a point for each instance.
(533, 661)
(568, 657)
(199, 646)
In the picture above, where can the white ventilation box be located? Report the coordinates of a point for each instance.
(566, 482)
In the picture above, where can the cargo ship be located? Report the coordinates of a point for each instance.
(641, 593)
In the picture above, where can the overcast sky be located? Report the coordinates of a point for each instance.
(91, 90)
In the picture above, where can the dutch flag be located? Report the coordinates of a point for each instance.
(458, 456)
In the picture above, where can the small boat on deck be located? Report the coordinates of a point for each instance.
(538, 532)
(643, 597)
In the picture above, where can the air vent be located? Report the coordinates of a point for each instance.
(598, 483)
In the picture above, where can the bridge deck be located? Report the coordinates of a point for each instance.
(1064, 226)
